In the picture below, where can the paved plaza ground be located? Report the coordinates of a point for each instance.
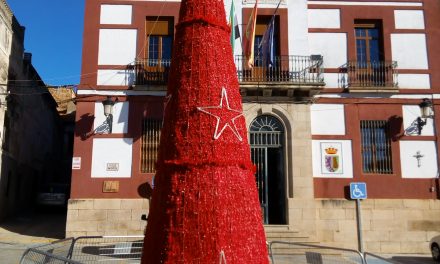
(22, 232)
(29, 230)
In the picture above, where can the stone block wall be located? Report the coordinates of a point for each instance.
(388, 225)
(93, 217)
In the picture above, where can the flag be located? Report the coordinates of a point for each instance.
(267, 43)
(233, 23)
(249, 37)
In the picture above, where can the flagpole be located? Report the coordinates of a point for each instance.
(273, 17)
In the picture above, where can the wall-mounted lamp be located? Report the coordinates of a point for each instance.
(106, 126)
(108, 111)
(108, 106)
(426, 111)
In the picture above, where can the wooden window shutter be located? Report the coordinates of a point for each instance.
(159, 28)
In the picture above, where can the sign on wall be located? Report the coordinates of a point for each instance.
(76, 163)
(331, 157)
(110, 187)
(112, 166)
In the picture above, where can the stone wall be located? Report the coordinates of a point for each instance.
(92, 217)
(388, 225)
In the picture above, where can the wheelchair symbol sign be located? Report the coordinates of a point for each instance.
(358, 190)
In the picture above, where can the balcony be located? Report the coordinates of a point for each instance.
(306, 70)
(151, 73)
(380, 76)
(288, 76)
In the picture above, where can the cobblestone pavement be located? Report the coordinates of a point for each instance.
(17, 234)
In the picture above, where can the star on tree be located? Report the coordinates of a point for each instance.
(225, 116)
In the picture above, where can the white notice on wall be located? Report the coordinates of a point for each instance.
(76, 163)
(112, 167)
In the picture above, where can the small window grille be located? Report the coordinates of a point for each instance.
(150, 144)
(376, 147)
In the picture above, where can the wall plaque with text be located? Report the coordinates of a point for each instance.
(110, 187)
(112, 167)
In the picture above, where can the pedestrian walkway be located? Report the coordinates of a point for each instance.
(19, 233)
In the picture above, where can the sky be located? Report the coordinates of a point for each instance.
(54, 30)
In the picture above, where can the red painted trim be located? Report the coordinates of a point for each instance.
(421, 138)
(378, 187)
(332, 137)
(112, 67)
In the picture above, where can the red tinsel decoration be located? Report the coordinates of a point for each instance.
(205, 205)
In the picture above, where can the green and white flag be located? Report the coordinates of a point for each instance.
(233, 23)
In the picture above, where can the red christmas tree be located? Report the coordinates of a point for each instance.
(205, 205)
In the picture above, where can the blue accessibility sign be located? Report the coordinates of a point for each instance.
(358, 190)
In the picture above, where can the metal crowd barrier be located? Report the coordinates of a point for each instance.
(282, 252)
(128, 249)
(36, 256)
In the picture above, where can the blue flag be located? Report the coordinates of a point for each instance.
(267, 44)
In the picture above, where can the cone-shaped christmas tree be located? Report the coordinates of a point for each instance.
(205, 205)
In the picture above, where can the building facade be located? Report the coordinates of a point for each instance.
(29, 124)
(338, 102)
(5, 51)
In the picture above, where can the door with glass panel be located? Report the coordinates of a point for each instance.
(159, 41)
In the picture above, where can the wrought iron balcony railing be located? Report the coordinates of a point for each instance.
(370, 75)
(288, 69)
(306, 70)
(151, 71)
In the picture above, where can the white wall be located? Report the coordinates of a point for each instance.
(115, 77)
(414, 81)
(324, 18)
(409, 50)
(409, 19)
(298, 28)
(344, 154)
(335, 80)
(428, 163)
(410, 114)
(117, 46)
(327, 119)
(120, 117)
(333, 46)
(116, 14)
(112, 151)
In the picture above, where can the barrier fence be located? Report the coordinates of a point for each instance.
(128, 249)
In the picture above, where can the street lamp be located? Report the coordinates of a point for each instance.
(108, 111)
(426, 111)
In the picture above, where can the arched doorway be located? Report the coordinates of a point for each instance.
(267, 153)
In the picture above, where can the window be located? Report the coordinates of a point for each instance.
(376, 147)
(368, 36)
(150, 144)
(159, 40)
